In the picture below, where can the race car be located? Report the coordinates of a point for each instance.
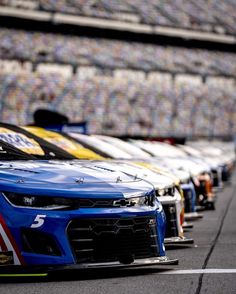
(72, 147)
(174, 157)
(172, 203)
(108, 147)
(213, 163)
(159, 166)
(70, 144)
(167, 193)
(59, 218)
(220, 155)
(173, 206)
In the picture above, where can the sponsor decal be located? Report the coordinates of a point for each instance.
(56, 139)
(21, 142)
(8, 246)
(69, 127)
(6, 258)
(63, 143)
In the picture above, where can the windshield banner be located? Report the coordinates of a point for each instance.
(69, 127)
(21, 142)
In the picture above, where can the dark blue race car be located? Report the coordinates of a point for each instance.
(56, 216)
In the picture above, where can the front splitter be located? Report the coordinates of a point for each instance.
(191, 216)
(43, 271)
(138, 262)
(187, 225)
(178, 240)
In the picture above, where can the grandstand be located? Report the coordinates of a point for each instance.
(79, 51)
(121, 87)
(122, 106)
(195, 15)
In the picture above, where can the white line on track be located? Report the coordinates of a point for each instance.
(200, 271)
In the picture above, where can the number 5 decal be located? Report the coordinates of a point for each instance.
(38, 221)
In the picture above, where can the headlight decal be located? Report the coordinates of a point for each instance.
(135, 201)
(169, 191)
(38, 202)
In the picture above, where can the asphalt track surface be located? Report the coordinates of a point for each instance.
(209, 266)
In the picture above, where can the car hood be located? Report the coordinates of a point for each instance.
(184, 164)
(135, 171)
(183, 176)
(170, 171)
(63, 179)
(202, 162)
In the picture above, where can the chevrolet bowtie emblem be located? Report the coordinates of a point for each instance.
(123, 203)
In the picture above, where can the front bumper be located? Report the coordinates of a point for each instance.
(20, 223)
(172, 207)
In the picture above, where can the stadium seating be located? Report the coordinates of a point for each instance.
(190, 14)
(121, 106)
(109, 54)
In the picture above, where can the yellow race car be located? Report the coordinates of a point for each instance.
(69, 145)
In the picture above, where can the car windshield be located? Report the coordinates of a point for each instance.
(128, 147)
(101, 147)
(31, 144)
(64, 142)
(8, 152)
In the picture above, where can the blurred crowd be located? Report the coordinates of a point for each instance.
(119, 105)
(190, 14)
(112, 54)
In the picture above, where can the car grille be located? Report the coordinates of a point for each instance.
(171, 220)
(95, 203)
(112, 239)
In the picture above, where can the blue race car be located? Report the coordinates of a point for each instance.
(61, 217)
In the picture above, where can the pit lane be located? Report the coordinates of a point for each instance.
(208, 266)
